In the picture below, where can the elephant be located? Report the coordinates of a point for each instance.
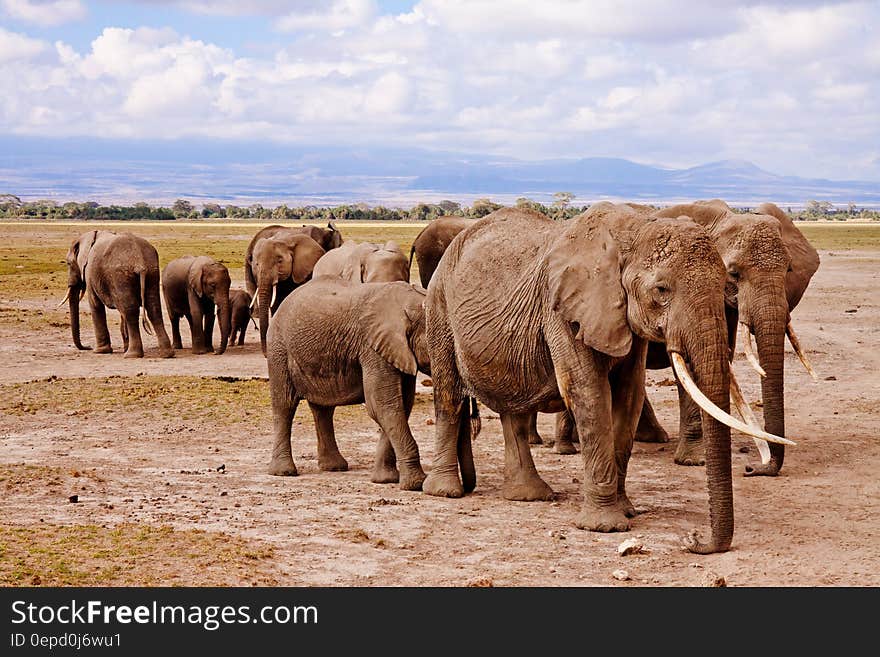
(364, 262)
(329, 238)
(335, 342)
(192, 287)
(280, 263)
(241, 315)
(118, 271)
(769, 266)
(431, 243)
(529, 315)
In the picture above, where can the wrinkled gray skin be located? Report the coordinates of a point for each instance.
(329, 238)
(532, 315)
(118, 271)
(281, 262)
(335, 343)
(430, 244)
(769, 266)
(241, 315)
(193, 286)
(364, 262)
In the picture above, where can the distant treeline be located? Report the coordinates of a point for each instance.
(12, 207)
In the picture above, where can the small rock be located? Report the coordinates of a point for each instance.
(224, 493)
(480, 583)
(630, 546)
(73, 499)
(575, 480)
(35, 580)
(620, 575)
(427, 383)
(221, 468)
(851, 310)
(831, 378)
(695, 565)
(712, 580)
(430, 422)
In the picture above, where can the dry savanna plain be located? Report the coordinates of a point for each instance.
(166, 459)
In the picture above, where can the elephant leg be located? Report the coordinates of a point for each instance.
(450, 412)
(196, 326)
(649, 429)
(385, 464)
(521, 480)
(566, 433)
(329, 458)
(153, 310)
(690, 449)
(99, 321)
(123, 330)
(241, 334)
(284, 403)
(388, 407)
(208, 312)
(175, 331)
(534, 436)
(135, 348)
(627, 399)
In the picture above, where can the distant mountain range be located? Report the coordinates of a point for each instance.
(127, 171)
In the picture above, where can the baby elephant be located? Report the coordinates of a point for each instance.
(335, 343)
(191, 287)
(241, 315)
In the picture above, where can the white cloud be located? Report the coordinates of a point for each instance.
(44, 12)
(793, 86)
(18, 46)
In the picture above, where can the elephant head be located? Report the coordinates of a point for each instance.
(208, 278)
(395, 325)
(615, 272)
(77, 261)
(369, 263)
(769, 265)
(287, 257)
(332, 237)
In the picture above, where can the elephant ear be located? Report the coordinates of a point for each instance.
(306, 252)
(196, 272)
(391, 245)
(82, 247)
(387, 324)
(355, 263)
(584, 279)
(804, 258)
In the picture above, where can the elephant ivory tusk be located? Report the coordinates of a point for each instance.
(82, 293)
(274, 291)
(253, 302)
(796, 344)
(64, 300)
(750, 351)
(745, 412)
(681, 371)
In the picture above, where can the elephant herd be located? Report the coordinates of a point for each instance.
(520, 312)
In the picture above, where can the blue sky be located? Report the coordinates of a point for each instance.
(792, 85)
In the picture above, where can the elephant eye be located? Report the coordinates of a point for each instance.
(733, 272)
(661, 294)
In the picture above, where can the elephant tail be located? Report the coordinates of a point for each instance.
(147, 328)
(412, 250)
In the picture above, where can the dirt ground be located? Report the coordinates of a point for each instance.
(168, 465)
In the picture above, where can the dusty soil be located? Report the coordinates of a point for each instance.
(168, 465)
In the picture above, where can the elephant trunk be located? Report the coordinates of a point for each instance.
(264, 300)
(768, 325)
(707, 352)
(224, 318)
(73, 294)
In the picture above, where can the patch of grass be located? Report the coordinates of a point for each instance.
(187, 397)
(128, 555)
(841, 236)
(14, 476)
(34, 318)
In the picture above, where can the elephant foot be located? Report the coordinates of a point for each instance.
(104, 349)
(527, 489)
(535, 439)
(385, 475)
(690, 453)
(219, 352)
(412, 479)
(628, 508)
(564, 447)
(443, 485)
(333, 463)
(166, 353)
(198, 351)
(762, 470)
(134, 353)
(651, 435)
(283, 468)
(178, 345)
(602, 519)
